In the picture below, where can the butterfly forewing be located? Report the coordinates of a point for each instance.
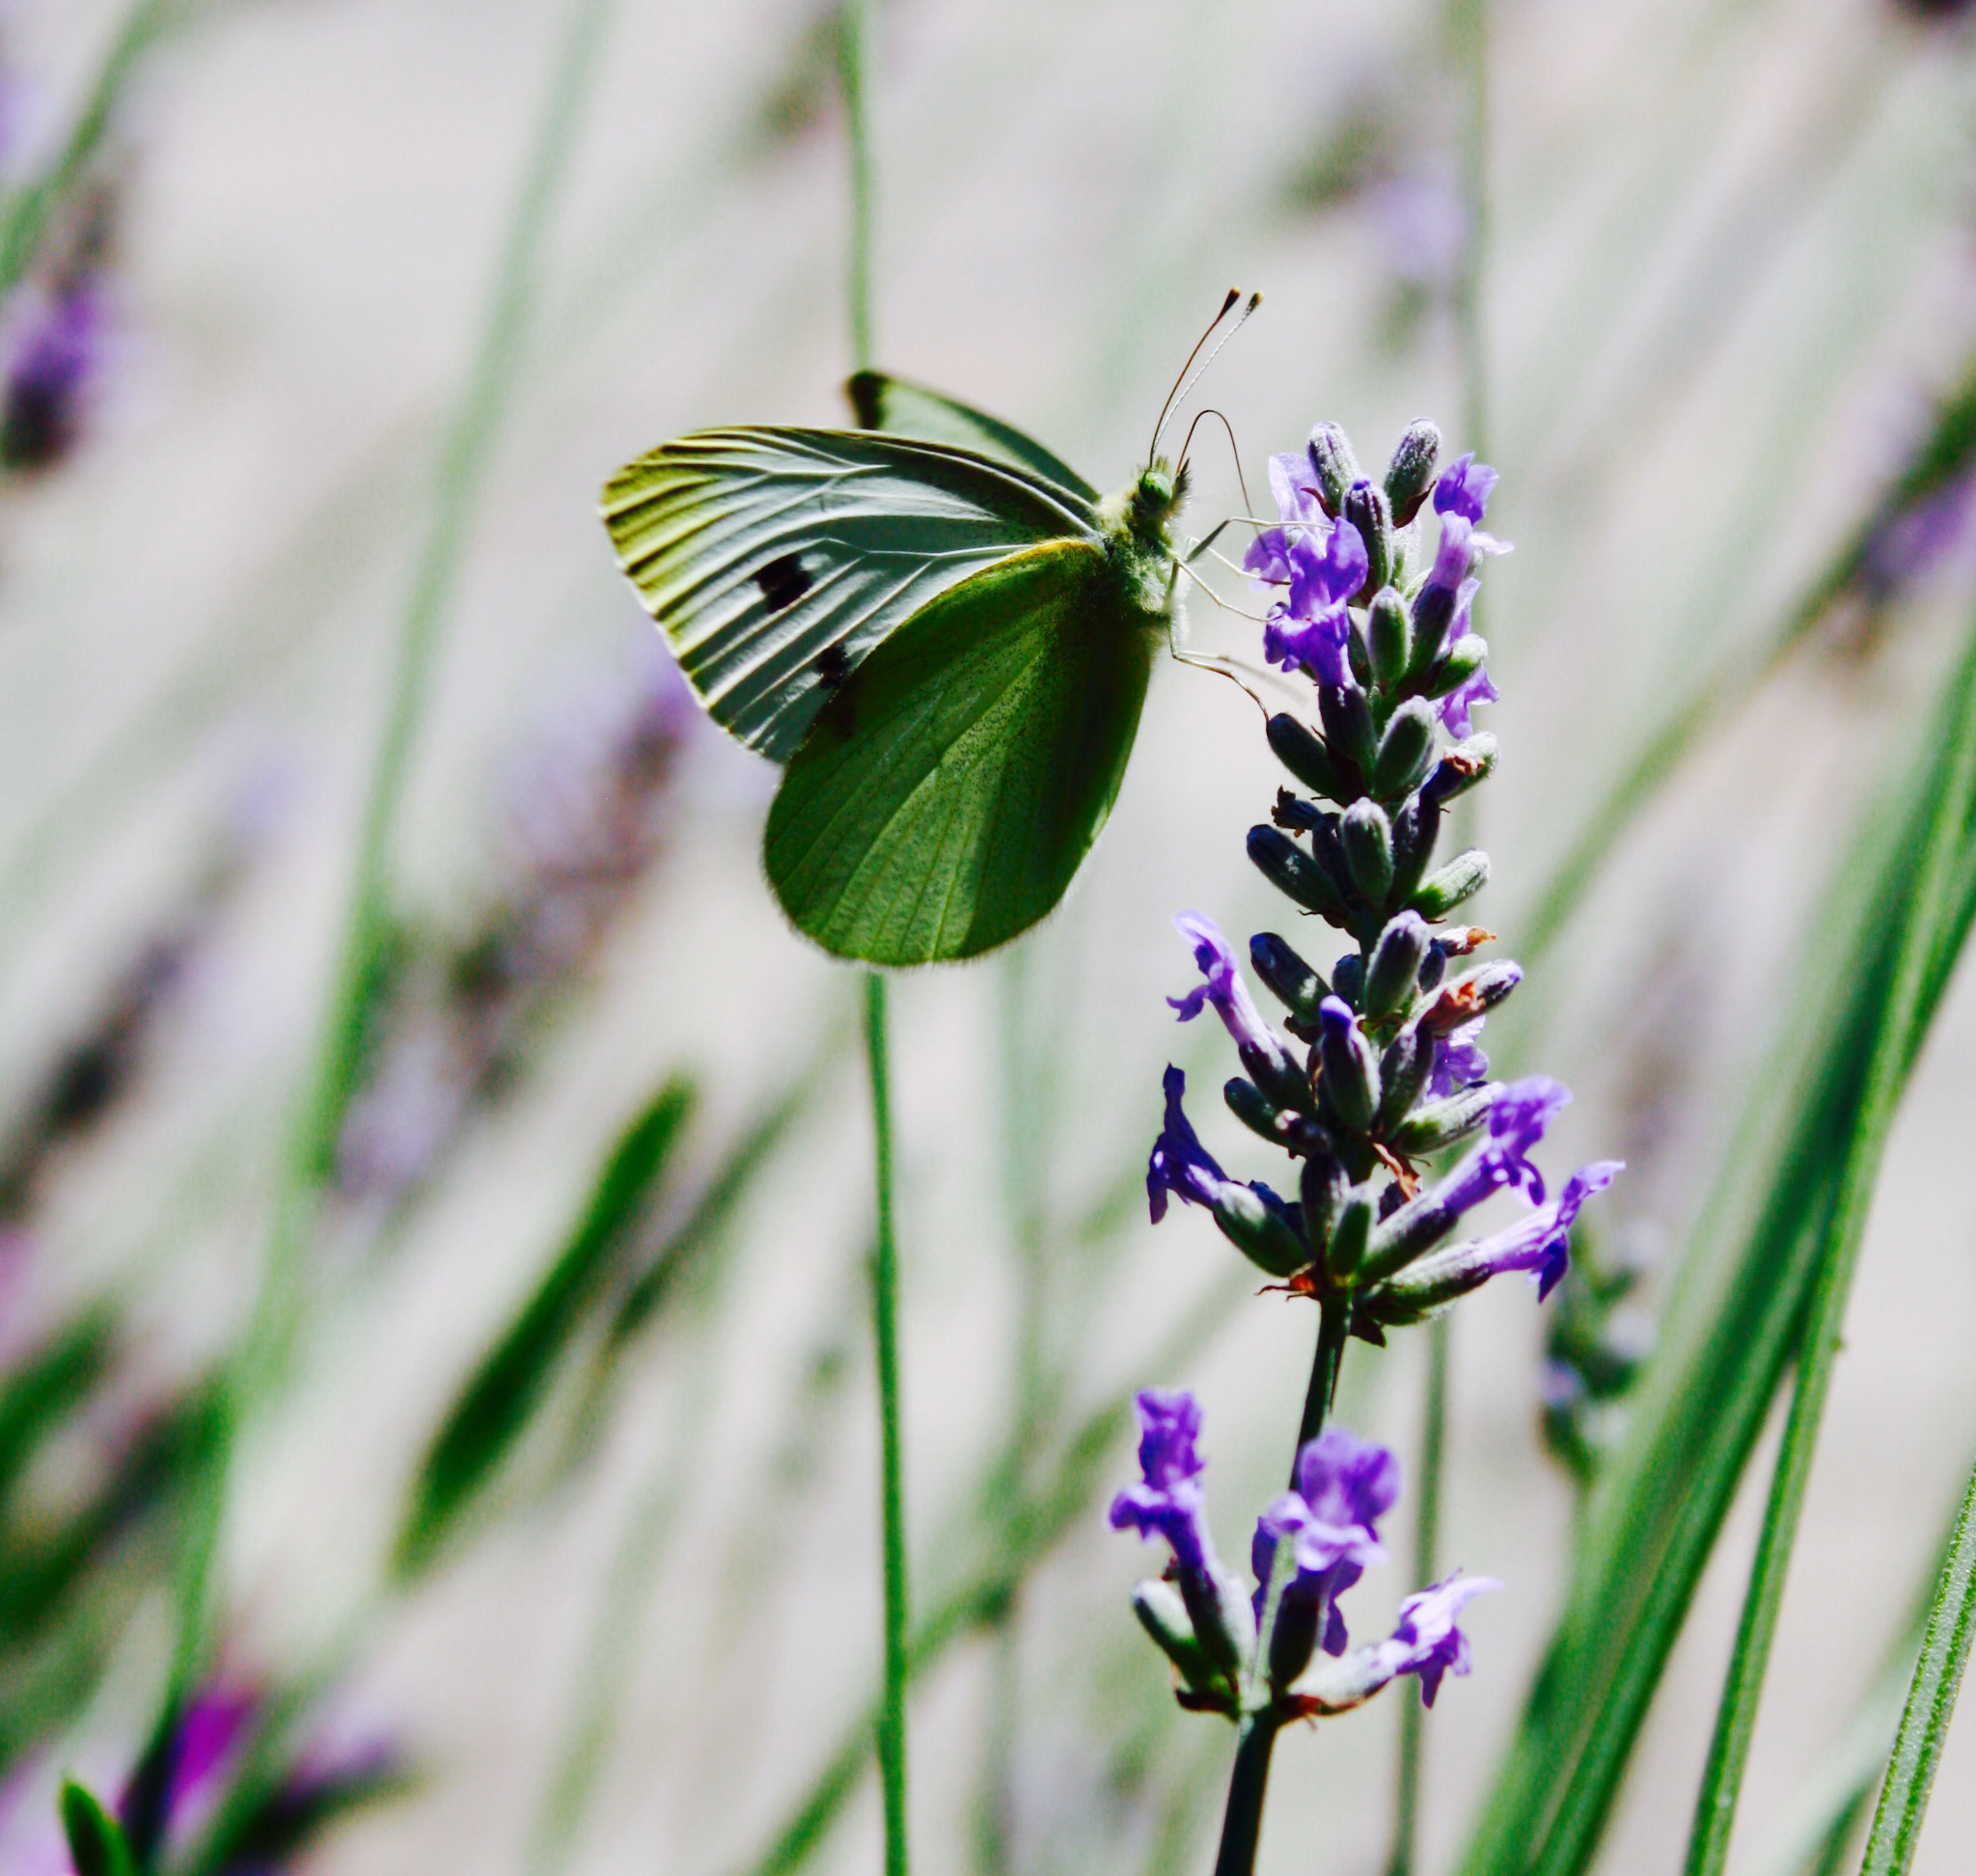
(951, 789)
(776, 560)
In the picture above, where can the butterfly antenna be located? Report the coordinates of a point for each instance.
(1185, 383)
(1233, 448)
(1234, 295)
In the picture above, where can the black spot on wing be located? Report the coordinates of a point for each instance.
(867, 393)
(832, 667)
(783, 582)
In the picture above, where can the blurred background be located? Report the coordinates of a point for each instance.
(323, 322)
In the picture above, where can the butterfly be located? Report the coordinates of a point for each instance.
(942, 631)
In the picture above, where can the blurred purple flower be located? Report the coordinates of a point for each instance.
(53, 359)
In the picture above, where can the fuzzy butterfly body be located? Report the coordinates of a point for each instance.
(940, 631)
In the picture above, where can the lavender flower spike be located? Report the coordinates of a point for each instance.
(1180, 1163)
(1426, 1640)
(1169, 1502)
(1223, 987)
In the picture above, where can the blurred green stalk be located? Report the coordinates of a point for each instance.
(462, 476)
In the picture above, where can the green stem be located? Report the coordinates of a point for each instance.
(1333, 1326)
(311, 1147)
(1247, 1784)
(885, 1328)
(1931, 1704)
(1426, 1549)
(856, 35)
(1714, 1818)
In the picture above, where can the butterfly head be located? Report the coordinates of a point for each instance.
(1145, 511)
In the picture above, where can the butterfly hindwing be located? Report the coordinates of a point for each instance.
(888, 403)
(775, 559)
(951, 787)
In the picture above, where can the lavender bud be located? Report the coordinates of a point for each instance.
(1403, 1071)
(1462, 878)
(1367, 510)
(1293, 1641)
(1220, 1616)
(1349, 1236)
(1260, 1231)
(1254, 1108)
(1387, 640)
(1303, 752)
(1464, 659)
(1292, 982)
(1163, 1614)
(1276, 1075)
(1323, 1189)
(1293, 872)
(1348, 977)
(1442, 1123)
(1416, 829)
(1405, 751)
(1367, 838)
(1409, 476)
(1357, 656)
(1395, 964)
(1348, 730)
(1351, 1074)
(1459, 770)
(1333, 464)
(1472, 994)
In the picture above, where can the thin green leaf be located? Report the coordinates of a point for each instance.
(1711, 1391)
(1931, 1704)
(496, 1405)
(1885, 1075)
(95, 1842)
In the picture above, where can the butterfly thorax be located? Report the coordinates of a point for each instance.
(1138, 524)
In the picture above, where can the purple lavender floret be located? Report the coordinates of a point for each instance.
(1541, 1243)
(1344, 1485)
(1168, 1503)
(1465, 489)
(1475, 688)
(1521, 1110)
(1458, 1061)
(1223, 987)
(1180, 1163)
(1426, 1640)
(1322, 564)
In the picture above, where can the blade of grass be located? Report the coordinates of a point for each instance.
(1931, 1704)
(462, 473)
(1885, 1075)
(510, 1383)
(1648, 1545)
(25, 218)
